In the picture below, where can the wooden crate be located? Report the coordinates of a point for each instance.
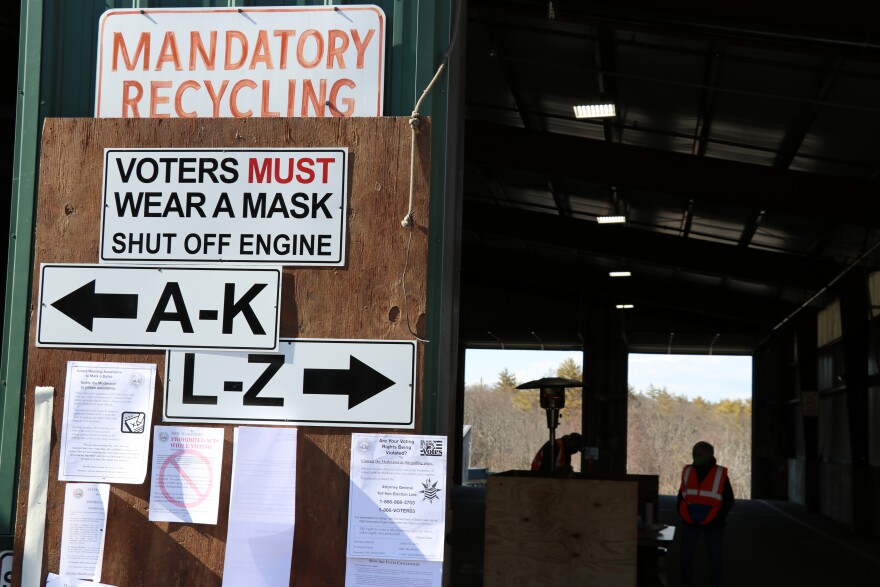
(545, 531)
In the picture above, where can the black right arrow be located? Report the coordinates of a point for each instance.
(84, 305)
(359, 382)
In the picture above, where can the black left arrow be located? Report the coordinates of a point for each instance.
(83, 305)
(359, 382)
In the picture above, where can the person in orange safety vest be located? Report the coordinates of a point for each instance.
(564, 448)
(704, 499)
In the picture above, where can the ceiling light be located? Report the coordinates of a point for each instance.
(610, 219)
(624, 306)
(619, 274)
(594, 111)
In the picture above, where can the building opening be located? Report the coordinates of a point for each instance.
(678, 400)
(504, 427)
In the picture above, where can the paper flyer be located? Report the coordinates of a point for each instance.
(83, 529)
(53, 580)
(397, 498)
(108, 409)
(367, 572)
(185, 485)
(262, 507)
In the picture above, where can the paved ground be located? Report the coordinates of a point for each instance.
(775, 544)
(767, 544)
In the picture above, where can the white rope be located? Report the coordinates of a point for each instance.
(414, 123)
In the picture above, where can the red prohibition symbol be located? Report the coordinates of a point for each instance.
(199, 494)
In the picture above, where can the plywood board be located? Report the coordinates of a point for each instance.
(363, 300)
(544, 531)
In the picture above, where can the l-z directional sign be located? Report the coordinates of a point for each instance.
(148, 307)
(317, 382)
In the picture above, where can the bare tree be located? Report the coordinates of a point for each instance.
(663, 427)
(509, 427)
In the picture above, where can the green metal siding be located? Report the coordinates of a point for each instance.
(15, 323)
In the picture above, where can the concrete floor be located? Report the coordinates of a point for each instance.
(767, 544)
(776, 544)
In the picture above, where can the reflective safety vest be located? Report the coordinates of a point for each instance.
(562, 459)
(701, 501)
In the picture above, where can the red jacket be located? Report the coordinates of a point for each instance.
(563, 459)
(701, 501)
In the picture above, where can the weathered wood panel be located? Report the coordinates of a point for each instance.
(363, 300)
(543, 531)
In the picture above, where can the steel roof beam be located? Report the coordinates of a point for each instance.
(803, 121)
(699, 256)
(704, 179)
(707, 98)
(818, 30)
(488, 265)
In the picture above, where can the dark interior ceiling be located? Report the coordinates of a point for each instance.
(744, 155)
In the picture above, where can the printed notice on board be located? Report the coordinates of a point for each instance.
(83, 529)
(285, 61)
(54, 580)
(108, 408)
(186, 474)
(265, 206)
(366, 572)
(262, 507)
(397, 499)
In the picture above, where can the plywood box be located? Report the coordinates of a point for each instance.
(545, 531)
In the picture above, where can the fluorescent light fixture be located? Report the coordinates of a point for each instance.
(624, 306)
(594, 111)
(610, 219)
(619, 274)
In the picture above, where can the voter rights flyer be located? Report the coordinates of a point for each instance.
(185, 485)
(397, 498)
(105, 430)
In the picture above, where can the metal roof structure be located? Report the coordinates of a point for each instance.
(743, 155)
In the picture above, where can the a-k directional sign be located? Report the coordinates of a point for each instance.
(323, 382)
(104, 306)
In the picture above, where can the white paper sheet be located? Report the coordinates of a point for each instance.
(369, 572)
(185, 484)
(35, 526)
(108, 408)
(259, 543)
(54, 580)
(83, 529)
(397, 498)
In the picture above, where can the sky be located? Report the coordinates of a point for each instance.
(712, 377)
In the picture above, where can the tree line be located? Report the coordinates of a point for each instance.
(509, 427)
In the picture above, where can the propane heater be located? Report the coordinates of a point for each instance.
(552, 397)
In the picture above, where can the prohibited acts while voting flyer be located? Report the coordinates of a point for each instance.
(107, 412)
(185, 483)
(397, 499)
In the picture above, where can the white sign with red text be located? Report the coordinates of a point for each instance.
(275, 206)
(295, 61)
